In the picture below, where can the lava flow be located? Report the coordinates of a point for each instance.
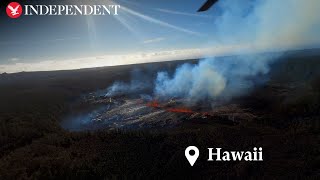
(180, 110)
(155, 104)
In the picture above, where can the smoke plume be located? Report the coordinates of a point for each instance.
(254, 25)
(140, 82)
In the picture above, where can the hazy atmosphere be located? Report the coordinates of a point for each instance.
(150, 30)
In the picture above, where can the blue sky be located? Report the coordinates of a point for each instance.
(32, 38)
(144, 30)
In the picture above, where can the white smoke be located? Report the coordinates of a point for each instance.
(266, 25)
(189, 81)
(120, 88)
(140, 82)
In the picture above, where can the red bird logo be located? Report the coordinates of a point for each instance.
(14, 10)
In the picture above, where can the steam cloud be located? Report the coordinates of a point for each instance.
(251, 26)
(139, 82)
(263, 24)
(211, 78)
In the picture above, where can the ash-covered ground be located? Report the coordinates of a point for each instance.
(121, 112)
(95, 111)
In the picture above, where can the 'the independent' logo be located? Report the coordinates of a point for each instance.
(14, 10)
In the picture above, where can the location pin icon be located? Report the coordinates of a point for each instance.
(192, 158)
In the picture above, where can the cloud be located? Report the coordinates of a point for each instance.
(135, 58)
(182, 13)
(155, 40)
(113, 60)
(64, 39)
(14, 59)
(57, 40)
(159, 22)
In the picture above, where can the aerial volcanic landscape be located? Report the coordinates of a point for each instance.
(197, 89)
(127, 94)
(140, 102)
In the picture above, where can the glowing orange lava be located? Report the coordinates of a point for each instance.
(180, 110)
(156, 104)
